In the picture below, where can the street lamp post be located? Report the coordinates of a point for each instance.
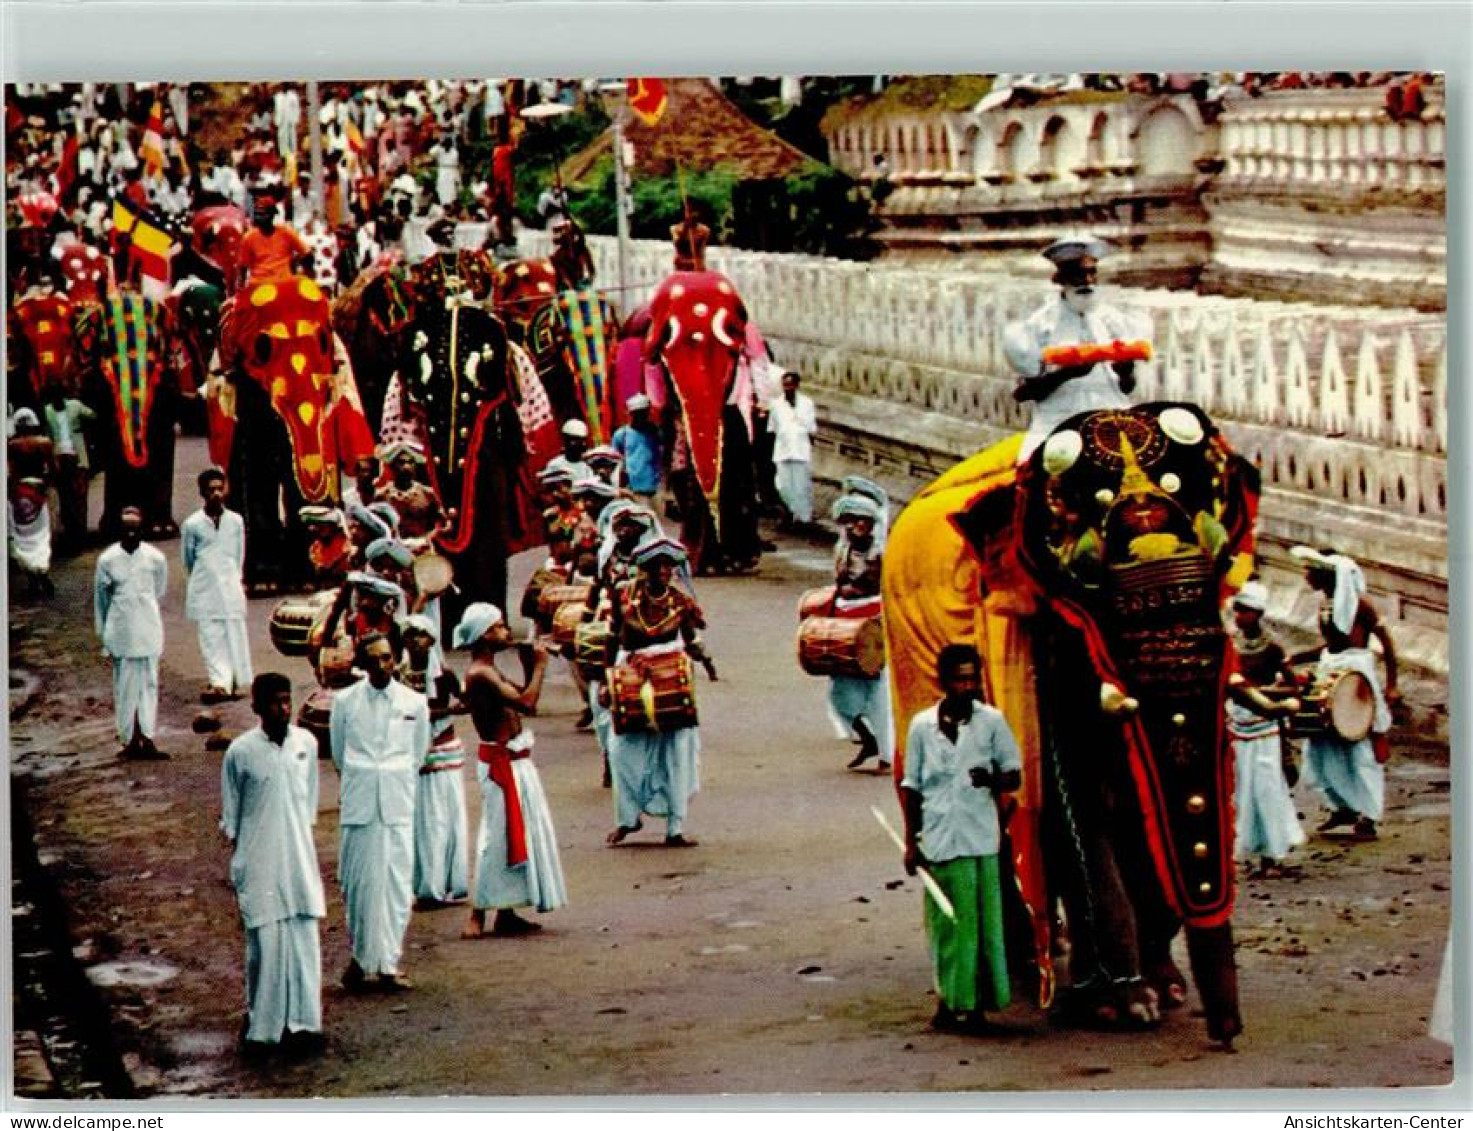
(616, 99)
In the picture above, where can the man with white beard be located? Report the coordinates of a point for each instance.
(1076, 317)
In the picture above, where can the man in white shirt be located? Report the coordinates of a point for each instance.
(380, 732)
(575, 443)
(1075, 317)
(268, 793)
(212, 542)
(792, 420)
(129, 582)
(958, 756)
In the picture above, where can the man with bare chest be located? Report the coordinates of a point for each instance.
(517, 861)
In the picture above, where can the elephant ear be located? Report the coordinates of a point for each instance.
(1131, 525)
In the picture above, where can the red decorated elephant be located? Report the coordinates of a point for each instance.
(697, 330)
(294, 421)
(42, 350)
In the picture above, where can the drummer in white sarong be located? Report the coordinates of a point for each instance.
(1350, 775)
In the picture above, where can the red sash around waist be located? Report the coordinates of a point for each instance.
(498, 761)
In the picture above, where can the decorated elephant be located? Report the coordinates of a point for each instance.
(42, 346)
(1091, 578)
(123, 351)
(697, 330)
(296, 416)
(456, 391)
(569, 334)
(371, 317)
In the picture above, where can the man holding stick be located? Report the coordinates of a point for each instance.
(959, 755)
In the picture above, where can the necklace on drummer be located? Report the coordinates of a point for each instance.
(654, 614)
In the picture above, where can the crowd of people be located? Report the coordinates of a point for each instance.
(614, 600)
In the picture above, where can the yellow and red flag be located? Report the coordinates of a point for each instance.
(648, 99)
(150, 246)
(355, 138)
(152, 146)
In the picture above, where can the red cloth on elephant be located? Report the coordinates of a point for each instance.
(45, 322)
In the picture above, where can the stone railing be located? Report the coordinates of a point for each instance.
(1335, 140)
(1344, 409)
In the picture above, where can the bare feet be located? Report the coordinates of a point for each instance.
(618, 835)
(475, 925)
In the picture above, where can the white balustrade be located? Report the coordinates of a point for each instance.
(930, 338)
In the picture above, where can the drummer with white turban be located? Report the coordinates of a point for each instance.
(1351, 775)
(517, 862)
(858, 706)
(1267, 823)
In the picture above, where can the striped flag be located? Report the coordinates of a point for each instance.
(648, 99)
(152, 146)
(150, 246)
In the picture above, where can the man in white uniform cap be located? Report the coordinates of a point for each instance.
(1075, 317)
(575, 443)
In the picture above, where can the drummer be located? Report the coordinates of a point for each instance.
(561, 515)
(592, 495)
(416, 503)
(440, 837)
(608, 464)
(328, 549)
(860, 707)
(628, 526)
(1268, 826)
(1350, 775)
(364, 526)
(656, 772)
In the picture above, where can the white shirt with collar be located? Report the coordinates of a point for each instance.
(126, 591)
(1055, 324)
(792, 426)
(957, 818)
(214, 560)
(268, 807)
(380, 738)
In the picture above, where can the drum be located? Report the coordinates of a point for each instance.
(1342, 705)
(292, 620)
(540, 581)
(593, 648)
(653, 693)
(433, 574)
(816, 603)
(555, 597)
(566, 621)
(315, 715)
(842, 646)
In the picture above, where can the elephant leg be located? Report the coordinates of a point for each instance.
(1081, 761)
(1156, 924)
(740, 541)
(254, 481)
(159, 489)
(1215, 971)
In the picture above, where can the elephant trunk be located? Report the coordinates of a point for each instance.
(1215, 972)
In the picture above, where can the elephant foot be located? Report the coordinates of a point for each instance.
(1170, 985)
(1120, 1005)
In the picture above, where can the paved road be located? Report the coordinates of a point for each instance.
(785, 954)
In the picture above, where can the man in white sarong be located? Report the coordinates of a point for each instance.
(793, 421)
(1350, 775)
(517, 862)
(440, 835)
(129, 582)
(212, 542)
(268, 790)
(1075, 317)
(380, 734)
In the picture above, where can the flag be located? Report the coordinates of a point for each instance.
(648, 99)
(355, 138)
(66, 167)
(152, 146)
(150, 247)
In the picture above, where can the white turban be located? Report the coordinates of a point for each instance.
(477, 620)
